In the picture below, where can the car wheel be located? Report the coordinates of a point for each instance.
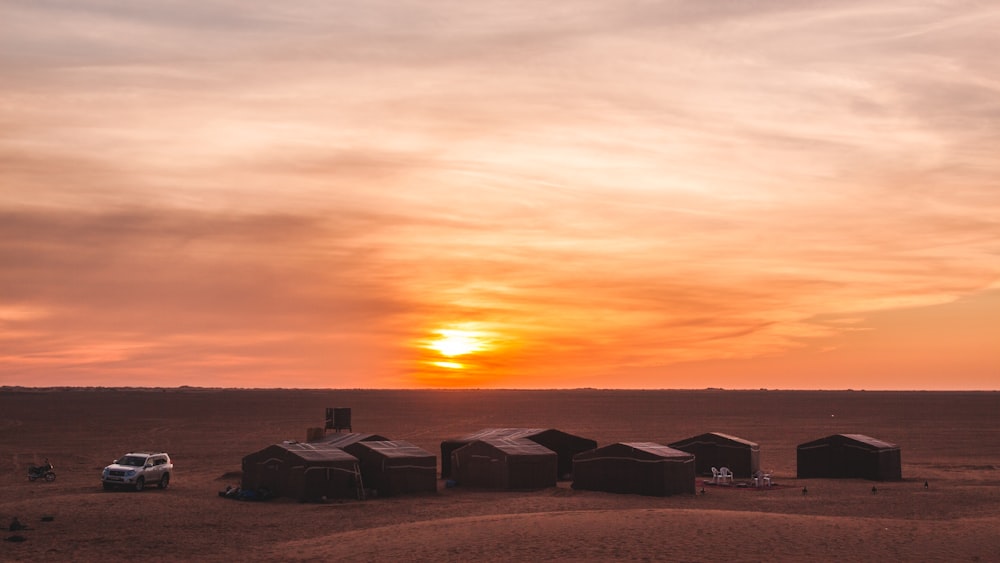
(140, 484)
(165, 481)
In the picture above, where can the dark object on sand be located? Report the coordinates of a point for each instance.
(644, 468)
(564, 444)
(395, 467)
(43, 471)
(805, 490)
(502, 463)
(239, 493)
(303, 471)
(716, 449)
(874, 489)
(15, 538)
(48, 518)
(338, 418)
(849, 456)
(16, 525)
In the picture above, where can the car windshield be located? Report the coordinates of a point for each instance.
(132, 460)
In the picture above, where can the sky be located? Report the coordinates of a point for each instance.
(441, 193)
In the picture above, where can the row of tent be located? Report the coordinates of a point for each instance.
(340, 466)
(347, 465)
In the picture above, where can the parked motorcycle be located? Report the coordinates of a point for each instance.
(41, 472)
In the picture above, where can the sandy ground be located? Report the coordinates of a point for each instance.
(950, 440)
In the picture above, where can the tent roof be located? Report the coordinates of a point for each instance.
(510, 433)
(316, 451)
(642, 451)
(710, 435)
(395, 449)
(339, 440)
(732, 438)
(491, 433)
(658, 450)
(517, 446)
(880, 444)
(862, 439)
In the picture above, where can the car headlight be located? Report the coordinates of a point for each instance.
(130, 473)
(106, 471)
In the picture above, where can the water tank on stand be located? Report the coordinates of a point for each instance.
(338, 418)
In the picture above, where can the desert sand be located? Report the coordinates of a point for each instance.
(949, 440)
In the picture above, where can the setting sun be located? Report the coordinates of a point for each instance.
(464, 354)
(457, 342)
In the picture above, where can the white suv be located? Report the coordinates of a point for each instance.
(137, 470)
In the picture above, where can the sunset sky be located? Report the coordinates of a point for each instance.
(443, 193)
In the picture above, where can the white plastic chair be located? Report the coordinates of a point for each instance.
(715, 475)
(725, 475)
(761, 479)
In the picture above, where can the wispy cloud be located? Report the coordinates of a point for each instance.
(300, 193)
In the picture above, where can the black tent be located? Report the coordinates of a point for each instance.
(716, 449)
(849, 455)
(505, 463)
(302, 471)
(393, 468)
(563, 444)
(644, 468)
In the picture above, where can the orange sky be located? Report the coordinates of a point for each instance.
(500, 194)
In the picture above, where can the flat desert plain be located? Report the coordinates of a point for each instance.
(949, 440)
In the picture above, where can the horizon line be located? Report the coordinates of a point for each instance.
(4, 388)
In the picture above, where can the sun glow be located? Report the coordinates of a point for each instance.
(461, 355)
(457, 342)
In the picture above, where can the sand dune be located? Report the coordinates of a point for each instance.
(650, 533)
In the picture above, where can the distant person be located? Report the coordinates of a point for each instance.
(805, 490)
(874, 489)
(926, 485)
